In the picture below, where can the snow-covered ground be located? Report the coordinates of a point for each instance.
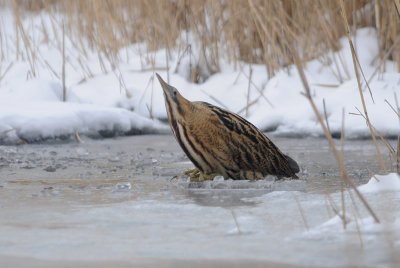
(120, 100)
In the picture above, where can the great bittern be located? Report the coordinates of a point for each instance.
(219, 142)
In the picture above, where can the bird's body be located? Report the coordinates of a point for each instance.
(220, 142)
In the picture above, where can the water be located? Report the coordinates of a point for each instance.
(119, 202)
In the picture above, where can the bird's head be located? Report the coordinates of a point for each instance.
(175, 102)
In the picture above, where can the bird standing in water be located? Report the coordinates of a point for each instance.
(219, 142)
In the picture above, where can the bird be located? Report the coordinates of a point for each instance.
(219, 142)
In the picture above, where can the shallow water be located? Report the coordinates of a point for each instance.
(117, 200)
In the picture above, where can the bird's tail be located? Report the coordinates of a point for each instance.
(293, 165)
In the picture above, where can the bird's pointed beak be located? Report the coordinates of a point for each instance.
(168, 90)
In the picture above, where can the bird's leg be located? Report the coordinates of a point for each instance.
(198, 176)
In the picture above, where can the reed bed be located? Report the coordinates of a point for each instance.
(253, 31)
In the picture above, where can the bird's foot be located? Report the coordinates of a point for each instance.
(198, 176)
(192, 173)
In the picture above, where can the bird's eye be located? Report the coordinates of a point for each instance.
(175, 93)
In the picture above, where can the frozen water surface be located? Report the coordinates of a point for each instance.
(117, 202)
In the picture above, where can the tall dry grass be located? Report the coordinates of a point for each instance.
(246, 30)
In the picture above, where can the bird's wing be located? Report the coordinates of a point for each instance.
(249, 147)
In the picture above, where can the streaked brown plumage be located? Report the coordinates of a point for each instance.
(221, 142)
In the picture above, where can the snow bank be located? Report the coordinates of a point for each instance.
(382, 183)
(338, 88)
(385, 206)
(102, 98)
(33, 111)
(41, 120)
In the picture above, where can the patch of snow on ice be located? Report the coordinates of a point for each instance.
(382, 183)
(362, 224)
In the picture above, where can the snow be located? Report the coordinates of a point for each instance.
(31, 121)
(382, 183)
(294, 114)
(123, 98)
(382, 193)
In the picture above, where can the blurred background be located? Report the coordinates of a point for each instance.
(251, 31)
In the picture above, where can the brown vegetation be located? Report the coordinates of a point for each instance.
(255, 31)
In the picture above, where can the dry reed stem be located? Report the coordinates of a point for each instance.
(377, 133)
(397, 5)
(326, 116)
(335, 209)
(343, 204)
(220, 103)
(8, 68)
(78, 137)
(384, 58)
(20, 31)
(63, 65)
(342, 137)
(328, 136)
(393, 109)
(398, 156)
(236, 222)
(248, 91)
(149, 108)
(357, 226)
(51, 69)
(396, 101)
(248, 105)
(327, 206)
(357, 68)
(260, 91)
(301, 210)
(315, 26)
